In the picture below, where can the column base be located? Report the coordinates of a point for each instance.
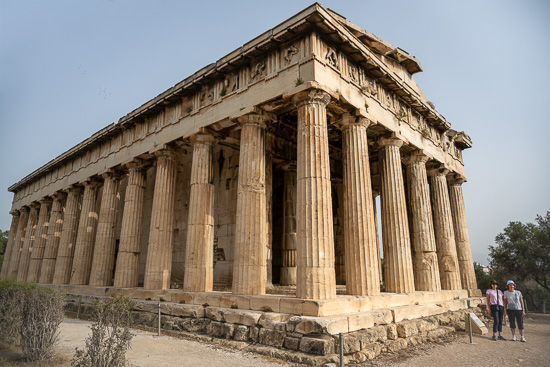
(288, 275)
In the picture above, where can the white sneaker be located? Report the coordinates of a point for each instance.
(514, 338)
(523, 339)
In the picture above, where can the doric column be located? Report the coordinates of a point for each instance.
(18, 242)
(65, 251)
(362, 276)
(426, 269)
(375, 194)
(9, 246)
(103, 262)
(25, 257)
(249, 264)
(159, 253)
(127, 267)
(444, 233)
(398, 269)
(52, 241)
(462, 238)
(83, 252)
(288, 269)
(315, 245)
(199, 253)
(39, 244)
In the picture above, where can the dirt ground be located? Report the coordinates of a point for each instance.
(485, 352)
(150, 350)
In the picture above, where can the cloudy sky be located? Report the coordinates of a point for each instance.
(69, 68)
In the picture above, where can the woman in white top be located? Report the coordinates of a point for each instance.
(513, 306)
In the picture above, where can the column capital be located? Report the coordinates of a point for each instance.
(391, 141)
(136, 164)
(253, 119)
(417, 156)
(24, 209)
(351, 120)
(438, 171)
(166, 153)
(455, 179)
(59, 195)
(45, 200)
(309, 96)
(203, 138)
(15, 213)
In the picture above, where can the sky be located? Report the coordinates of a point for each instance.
(69, 68)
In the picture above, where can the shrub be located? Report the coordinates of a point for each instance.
(30, 316)
(42, 313)
(11, 304)
(110, 338)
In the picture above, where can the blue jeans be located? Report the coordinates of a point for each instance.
(497, 317)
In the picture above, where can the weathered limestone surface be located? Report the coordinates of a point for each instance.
(65, 251)
(159, 253)
(463, 248)
(85, 239)
(395, 227)
(18, 242)
(315, 246)
(10, 244)
(127, 267)
(444, 233)
(103, 262)
(25, 257)
(249, 267)
(40, 236)
(426, 268)
(52, 241)
(288, 270)
(360, 235)
(199, 256)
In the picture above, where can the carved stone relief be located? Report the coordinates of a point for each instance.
(353, 73)
(206, 95)
(231, 83)
(332, 58)
(289, 53)
(258, 70)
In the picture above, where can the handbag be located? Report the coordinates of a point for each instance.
(494, 308)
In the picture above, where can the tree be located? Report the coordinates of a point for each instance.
(3, 244)
(522, 253)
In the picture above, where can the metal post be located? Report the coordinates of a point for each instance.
(470, 326)
(341, 350)
(159, 320)
(79, 303)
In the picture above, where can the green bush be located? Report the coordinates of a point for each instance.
(110, 338)
(30, 317)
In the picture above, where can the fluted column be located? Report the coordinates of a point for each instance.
(65, 251)
(288, 269)
(103, 262)
(444, 232)
(127, 267)
(426, 268)
(362, 276)
(375, 194)
(199, 254)
(52, 241)
(25, 257)
(462, 237)
(85, 239)
(9, 246)
(41, 234)
(315, 246)
(250, 257)
(18, 242)
(398, 268)
(159, 253)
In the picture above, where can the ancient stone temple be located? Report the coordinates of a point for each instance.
(253, 185)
